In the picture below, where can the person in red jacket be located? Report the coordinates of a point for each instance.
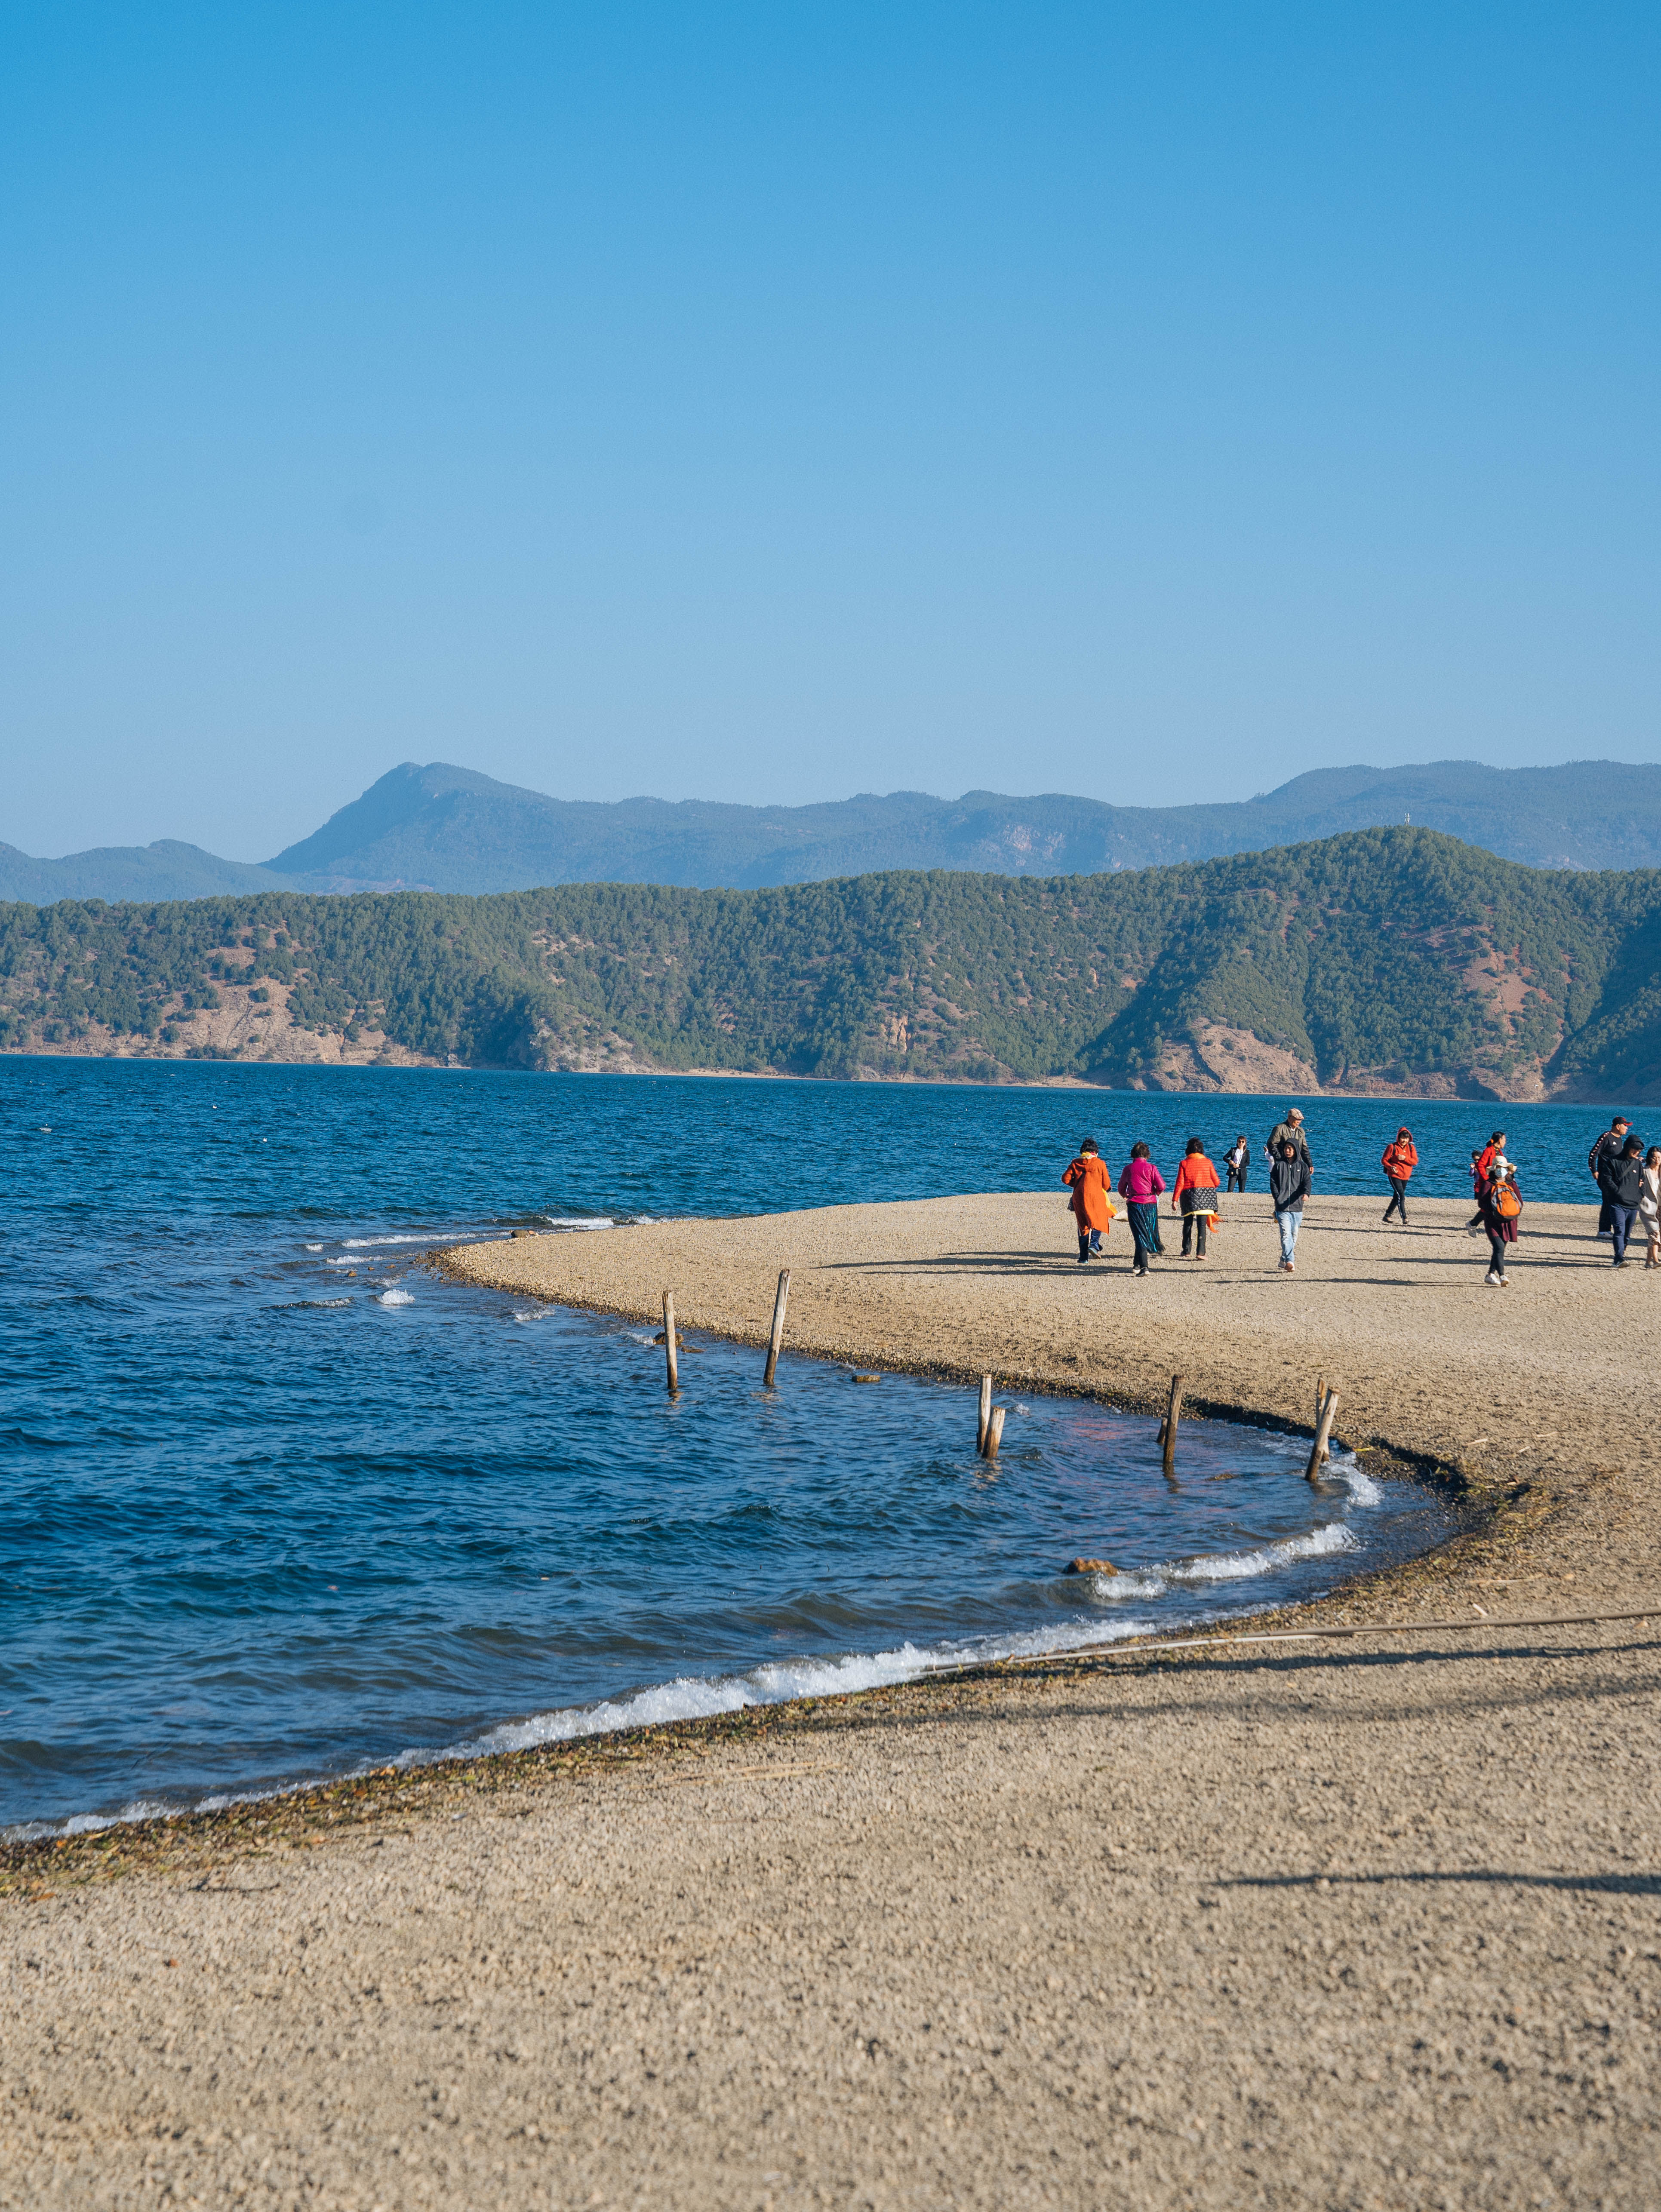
(1091, 1203)
(1194, 1195)
(1399, 1161)
(1481, 1163)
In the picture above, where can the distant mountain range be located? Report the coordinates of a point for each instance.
(445, 829)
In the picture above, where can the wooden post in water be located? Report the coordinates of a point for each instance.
(994, 1433)
(1320, 1400)
(669, 1343)
(983, 1424)
(1323, 1430)
(1173, 1415)
(781, 1300)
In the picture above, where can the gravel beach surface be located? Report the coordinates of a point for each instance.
(1359, 1924)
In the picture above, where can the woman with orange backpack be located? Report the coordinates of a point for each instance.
(1500, 1205)
(1399, 1161)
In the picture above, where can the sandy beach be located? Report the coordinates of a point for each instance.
(1346, 1926)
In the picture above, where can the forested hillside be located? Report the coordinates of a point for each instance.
(1392, 960)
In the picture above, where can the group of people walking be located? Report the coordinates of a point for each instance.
(1628, 1179)
(1628, 1176)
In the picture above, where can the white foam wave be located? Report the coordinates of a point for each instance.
(570, 1221)
(692, 1697)
(395, 1298)
(1362, 1488)
(87, 1824)
(1240, 1566)
(1128, 1585)
(362, 1243)
(314, 1247)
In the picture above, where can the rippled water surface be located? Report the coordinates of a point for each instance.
(277, 1502)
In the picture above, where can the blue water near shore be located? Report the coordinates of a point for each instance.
(279, 1504)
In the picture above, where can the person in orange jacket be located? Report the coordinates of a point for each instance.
(1194, 1195)
(1091, 1203)
(1399, 1161)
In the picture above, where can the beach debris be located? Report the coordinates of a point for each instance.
(1090, 1567)
(781, 1299)
(1168, 1426)
(1323, 1432)
(865, 1378)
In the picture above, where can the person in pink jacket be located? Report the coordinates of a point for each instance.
(1141, 1186)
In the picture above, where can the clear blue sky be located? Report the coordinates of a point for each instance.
(774, 402)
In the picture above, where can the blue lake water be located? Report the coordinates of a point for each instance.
(277, 1503)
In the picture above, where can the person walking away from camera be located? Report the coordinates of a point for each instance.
(1620, 1179)
(1607, 1146)
(1502, 1202)
(1400, 1159)
(1480, 1164)
(1091, 1203)
(1140, 1187)
(1237, 1159)
(1194, 1195)
(1289, 1131)
(1289, 1183)
(1649, 1207)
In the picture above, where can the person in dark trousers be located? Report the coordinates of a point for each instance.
(1479, 1163)
(1499, 1212)
(1620, 1179)
(1194, 1195)
(1237, 1159)
(1090, 1205)
(1142, 1186)
(1289, 1183)
(1399, 1161)
(1608, 1144)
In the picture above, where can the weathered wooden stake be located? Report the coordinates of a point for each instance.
(985, 1413)
(1320, 1400)
(669, 1343)
(1173, 1415)
(994, 1433)
(1323, 1430)
(781, 1300)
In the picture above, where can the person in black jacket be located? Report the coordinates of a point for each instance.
(1607, 1147)
(1620, 1179)
(1289, 1183)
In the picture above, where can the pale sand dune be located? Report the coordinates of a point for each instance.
(1354, 1928)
